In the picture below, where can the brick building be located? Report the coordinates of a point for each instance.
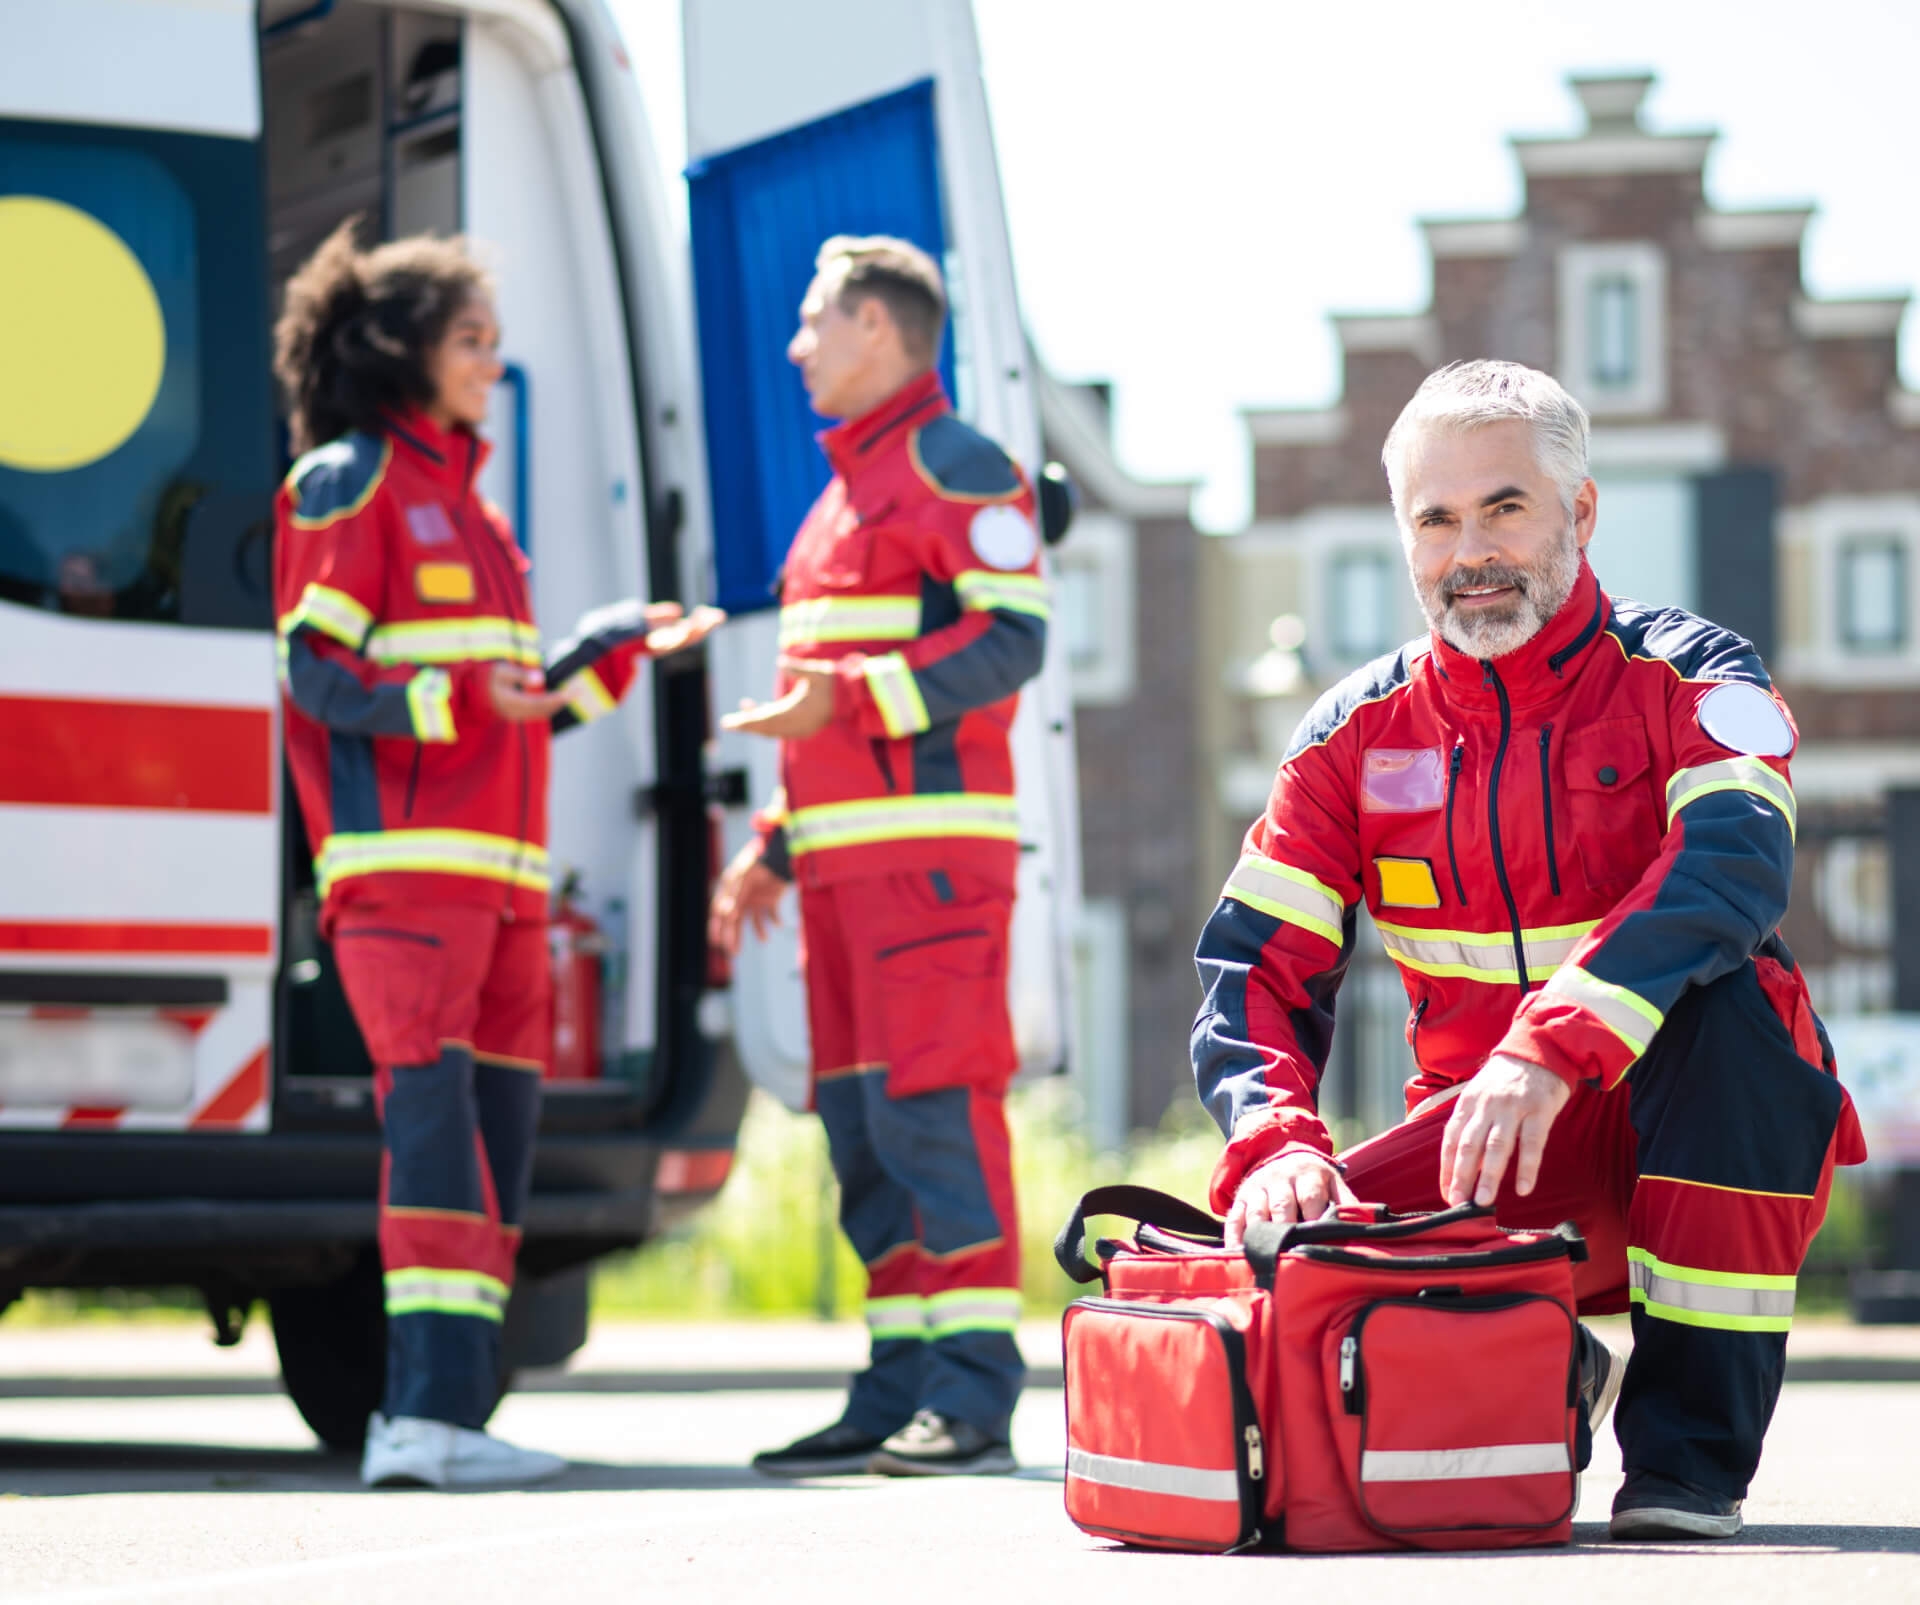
(1758, 462)
(1126, 606)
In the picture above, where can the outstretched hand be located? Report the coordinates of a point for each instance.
(671, 631)
(1502, 1117)
(805, 710)
(519, 694)
(747, 891)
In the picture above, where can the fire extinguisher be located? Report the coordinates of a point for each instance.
(575, 947)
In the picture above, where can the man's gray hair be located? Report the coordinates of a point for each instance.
(1471, 395)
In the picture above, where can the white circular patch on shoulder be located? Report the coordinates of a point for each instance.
(1743, 718)
(1003, 537)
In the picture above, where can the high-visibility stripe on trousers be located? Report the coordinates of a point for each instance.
(1699, 1186)
(453, 1003)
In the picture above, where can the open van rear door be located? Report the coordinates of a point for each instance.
(854, 117)
(140, 893)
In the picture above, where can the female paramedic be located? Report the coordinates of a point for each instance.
(418, 713)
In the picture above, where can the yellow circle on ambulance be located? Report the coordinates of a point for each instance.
(82, 340)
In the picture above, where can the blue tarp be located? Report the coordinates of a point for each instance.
(759, 213)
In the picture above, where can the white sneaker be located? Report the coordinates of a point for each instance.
(409, 1452)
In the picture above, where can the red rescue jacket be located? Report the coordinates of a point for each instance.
(396, 587)
(1553, 846)
(918, 572)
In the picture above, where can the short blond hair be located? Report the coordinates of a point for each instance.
(901, 277)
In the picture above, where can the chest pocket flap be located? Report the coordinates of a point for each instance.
(1610, 797)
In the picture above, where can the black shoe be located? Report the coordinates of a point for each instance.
(1651, 1506)
(1601, 1373)
(831, 1452)
(930, 1445)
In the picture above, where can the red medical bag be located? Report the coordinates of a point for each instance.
(1362, 1381)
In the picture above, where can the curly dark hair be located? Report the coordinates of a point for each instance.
(356, 327)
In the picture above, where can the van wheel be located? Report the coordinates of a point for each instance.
(333, 1351)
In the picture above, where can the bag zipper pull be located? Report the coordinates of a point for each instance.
(1256, 1454)
(1349, 1351)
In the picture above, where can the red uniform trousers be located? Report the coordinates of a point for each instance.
(454, 1003)
(912, 1051)
(1698, 1186)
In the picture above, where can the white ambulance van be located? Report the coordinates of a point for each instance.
(184, 1099)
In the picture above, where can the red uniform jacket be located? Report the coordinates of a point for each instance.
(396, 588)
(918, 572)
(1553, 846)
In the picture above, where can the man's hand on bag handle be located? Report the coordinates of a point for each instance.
(747, 890)
(1295, 1186)
(1502, 1117)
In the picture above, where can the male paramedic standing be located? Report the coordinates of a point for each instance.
(1571, 819)
(912, 610)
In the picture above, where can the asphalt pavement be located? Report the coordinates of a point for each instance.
(139, 1463)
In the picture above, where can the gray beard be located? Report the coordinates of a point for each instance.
(1543, 590)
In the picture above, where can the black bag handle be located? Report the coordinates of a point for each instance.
(1142, 1204)
(1266, 1241)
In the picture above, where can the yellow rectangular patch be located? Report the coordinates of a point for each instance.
(443, 582)
(1407, 883)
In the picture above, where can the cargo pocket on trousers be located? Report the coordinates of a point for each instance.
(393, 978)
(943, 1000)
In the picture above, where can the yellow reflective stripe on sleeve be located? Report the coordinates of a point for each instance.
(456, 641)
(332, 613)
(419, 1289)
(1288, 894)
(1730, 1301)
(973, 1309)
(1626, 1014)
(849, 618)
(984, 590)
(1482, 955)
(587, 695)
(903, 1317)
(430, 702)
(883, 819)
(1752, 775)
(902, 709)
(434, 852)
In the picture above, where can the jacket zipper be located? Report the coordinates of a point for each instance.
(1453, 781)
(413, 779)
(1493, 823)
(1546, 807)
(1413, 1029)
(506, 602)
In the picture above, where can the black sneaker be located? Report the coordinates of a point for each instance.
(1650, 1506)
(831, 1452)
(930, 1445)
(1601, 1373)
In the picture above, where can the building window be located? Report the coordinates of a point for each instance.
(1093, 596)
(1360, 603)
(1613, 337)
(1873, 594)
(1612, 330)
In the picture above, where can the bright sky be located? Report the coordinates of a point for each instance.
(1191, 190)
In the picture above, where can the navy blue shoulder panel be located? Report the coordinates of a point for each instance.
(1695, 648)
(1369, 683)
(337, 479)
(960, 463)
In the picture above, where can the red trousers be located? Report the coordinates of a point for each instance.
(454, 1003)
(912, 1050)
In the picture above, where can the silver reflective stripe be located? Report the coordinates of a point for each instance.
(1627, 1015)
(1154, 1477)
(1287, 894)
(1729, 1299)
(878, 819)
(1459, 1465)
(850, 618)
(1482, 956)
(1752, 775)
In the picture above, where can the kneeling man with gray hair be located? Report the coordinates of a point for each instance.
(1571, 820)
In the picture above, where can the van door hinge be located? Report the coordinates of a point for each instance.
(719, 788)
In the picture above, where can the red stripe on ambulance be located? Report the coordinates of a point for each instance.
(65, 752)
(121, 936)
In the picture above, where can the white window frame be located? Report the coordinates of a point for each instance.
(1386, 637)
(1822, 532)
(1104, 545)
(1644, 266)
(1856, 545)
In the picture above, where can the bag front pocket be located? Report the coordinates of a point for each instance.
(1465, 1410)
(1163, 1446)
